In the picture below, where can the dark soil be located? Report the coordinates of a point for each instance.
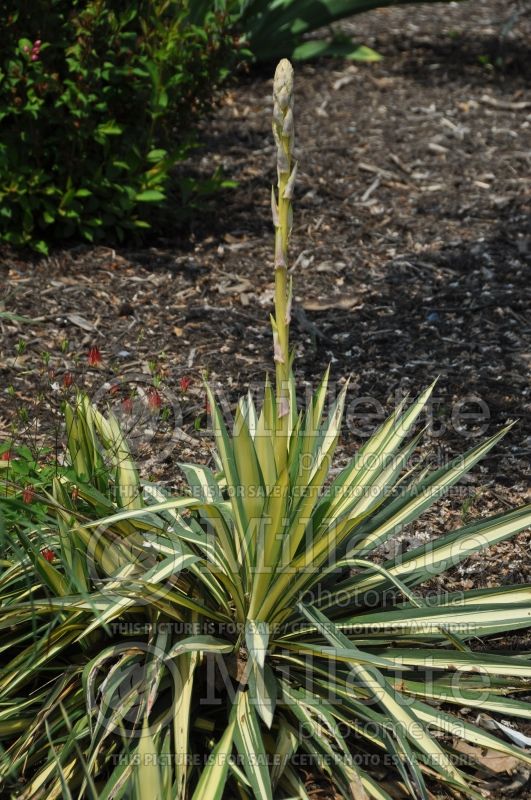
(411, 253)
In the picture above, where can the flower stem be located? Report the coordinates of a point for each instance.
(282, 220)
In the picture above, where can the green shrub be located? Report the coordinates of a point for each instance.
(98, 99)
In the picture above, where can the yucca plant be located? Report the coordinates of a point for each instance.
(276, 28)
(199, 646)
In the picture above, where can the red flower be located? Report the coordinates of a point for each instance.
(75, 493)
(154, 399)
(184, 384)
(127, 405)
(6, 456)
(94, 357)
(28, 494)
(68, 379)
(35, 50)
(48, 554)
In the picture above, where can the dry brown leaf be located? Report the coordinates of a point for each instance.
(344, 303)
(235, 288)
(492, 759)
(81, 322)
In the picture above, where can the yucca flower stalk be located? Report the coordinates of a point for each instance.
(284, 133)
(266, 570)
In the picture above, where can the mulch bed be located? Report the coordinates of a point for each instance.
(411, 253)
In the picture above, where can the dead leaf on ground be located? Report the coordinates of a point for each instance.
(344, 303)
(492, 759)
(81, 322)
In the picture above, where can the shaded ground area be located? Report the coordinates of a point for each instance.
(411, 256)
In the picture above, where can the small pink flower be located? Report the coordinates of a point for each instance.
(6, 456)
(28, 494)
(184, 384)
(154, 399)
(94, 357)
(48, 554)
(34, 57)
(26, 49)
